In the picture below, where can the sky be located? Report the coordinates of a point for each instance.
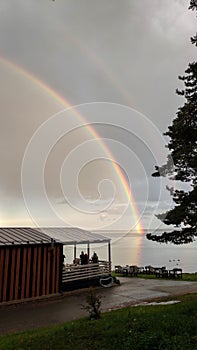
(87, 89)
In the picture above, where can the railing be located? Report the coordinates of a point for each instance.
(79, 272)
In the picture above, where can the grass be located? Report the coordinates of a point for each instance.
(185, 276)
(190, 277)
(144, 327)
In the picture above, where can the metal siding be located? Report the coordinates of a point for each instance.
(58, 270)
(27, 291)
(18, 256)
(48, 271)
(24, 272)
(22, 235)
(12, 275)
(29, 271)
(34, 272)
(53, 270)
(38, 272)
(2, 258)
(44, 271)
(73, 235)
(5, 279)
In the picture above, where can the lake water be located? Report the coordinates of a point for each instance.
(140, 251)
(135, 249)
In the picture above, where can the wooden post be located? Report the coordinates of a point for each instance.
(109, 256)
(17, 286)
(24, 272)
(75, 251)
(38, 274)
(28, 276)
(49, 252)
(12, 275)
(58, 272)
(1, 271)
(34, 275)
(7, 251)
(44, 270)
(54, 269)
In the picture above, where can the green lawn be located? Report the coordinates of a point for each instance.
(185, 277)
(148, 327)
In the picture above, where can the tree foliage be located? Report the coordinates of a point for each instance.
(181, 164)
(193, 7)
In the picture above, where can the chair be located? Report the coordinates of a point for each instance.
(150, 269)
(125, 270)
(141, 270)
(164, 272)
(158, 272)
(118, 269)
(133, 270)
(175, 273)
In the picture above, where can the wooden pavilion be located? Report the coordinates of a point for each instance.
(78, 275)
(31, 261)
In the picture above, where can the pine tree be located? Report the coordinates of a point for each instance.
(193, 7)
(181, 162)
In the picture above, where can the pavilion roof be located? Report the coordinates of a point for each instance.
(73, 235)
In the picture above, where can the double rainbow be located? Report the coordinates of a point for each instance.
(66, 104)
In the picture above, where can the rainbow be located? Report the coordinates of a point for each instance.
(64, 103)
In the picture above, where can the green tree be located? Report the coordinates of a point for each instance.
(193, 7)
(181, 164)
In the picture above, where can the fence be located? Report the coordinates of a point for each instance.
(80, 272)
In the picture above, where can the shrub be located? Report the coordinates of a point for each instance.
(93, 304)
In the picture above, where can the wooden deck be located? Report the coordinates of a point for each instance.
(72, 273)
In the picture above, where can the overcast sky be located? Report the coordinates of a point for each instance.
(126, 53)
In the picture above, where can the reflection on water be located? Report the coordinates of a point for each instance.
(142, 252)
(133, 249)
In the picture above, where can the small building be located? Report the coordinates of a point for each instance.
(31, 261)
(30, 264)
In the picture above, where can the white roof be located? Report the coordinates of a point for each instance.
(73, 235)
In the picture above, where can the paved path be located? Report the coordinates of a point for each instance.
(68, 306)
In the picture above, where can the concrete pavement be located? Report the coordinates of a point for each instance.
(68, 306)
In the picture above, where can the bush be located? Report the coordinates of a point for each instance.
(93, 304)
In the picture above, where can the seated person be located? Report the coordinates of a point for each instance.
(86, 260)
(76, 261)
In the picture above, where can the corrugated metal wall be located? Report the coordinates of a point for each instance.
(28, 271)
